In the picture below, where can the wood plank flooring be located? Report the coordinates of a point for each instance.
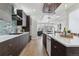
(34, 48)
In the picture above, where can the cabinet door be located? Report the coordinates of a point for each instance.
(57, 49)
(4, 51)
(8, 47)
(13, 46)
(24, 40)
(53, 48)
(44, 41)
(60, 49)
(28, 23)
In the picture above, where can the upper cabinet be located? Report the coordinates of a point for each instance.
(73, 14)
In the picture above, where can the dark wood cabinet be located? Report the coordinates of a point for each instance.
(4, 49)
(13, 47)
(44, 41)
(27, 23)
(57, 49)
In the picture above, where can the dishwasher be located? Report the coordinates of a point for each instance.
(49, 45)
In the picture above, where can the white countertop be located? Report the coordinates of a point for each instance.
(74, 42)
(7, 37)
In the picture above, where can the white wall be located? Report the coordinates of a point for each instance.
(70, 17)
(34, 19)
(74, 19)
(5, 11)
(63, 20)
(34, 29)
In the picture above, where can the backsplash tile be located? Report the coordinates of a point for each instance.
(7, 27)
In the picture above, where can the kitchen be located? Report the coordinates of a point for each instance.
(14, 30)
(55, 23)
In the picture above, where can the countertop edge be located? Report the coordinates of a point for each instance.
(11, 37)
(65, 44)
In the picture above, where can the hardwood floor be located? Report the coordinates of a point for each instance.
(34, 48)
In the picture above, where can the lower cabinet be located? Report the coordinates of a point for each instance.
(3, 49)
(57, 49)
(53, 47)
(44, 41)
(13, 47)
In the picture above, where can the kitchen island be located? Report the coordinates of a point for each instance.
(12, 45)
(61, 46)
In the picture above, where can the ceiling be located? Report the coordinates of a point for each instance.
(36, 8)
(33, 9)
(30, 8)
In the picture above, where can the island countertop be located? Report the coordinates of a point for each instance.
(67, 42)
(8, 37)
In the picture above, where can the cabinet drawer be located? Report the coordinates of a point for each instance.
(58, 45)
(4, 51)
(73, 51)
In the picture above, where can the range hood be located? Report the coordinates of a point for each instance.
(50, 7)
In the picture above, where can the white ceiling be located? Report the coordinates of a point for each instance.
(30, 8)
(35, 10)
